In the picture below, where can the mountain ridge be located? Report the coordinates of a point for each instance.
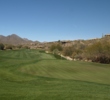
(14, 39)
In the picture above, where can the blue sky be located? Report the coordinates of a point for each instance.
(52, 20)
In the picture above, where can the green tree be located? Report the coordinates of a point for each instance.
(2, 46)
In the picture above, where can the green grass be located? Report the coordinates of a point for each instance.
(35, 75)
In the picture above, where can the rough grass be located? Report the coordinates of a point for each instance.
(34, 75)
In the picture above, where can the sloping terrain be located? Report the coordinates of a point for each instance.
(33, 75)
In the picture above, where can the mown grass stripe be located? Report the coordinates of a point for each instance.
(33, 75)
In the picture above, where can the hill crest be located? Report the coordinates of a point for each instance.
(14, 39)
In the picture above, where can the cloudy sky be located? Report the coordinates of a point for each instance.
(52, 20)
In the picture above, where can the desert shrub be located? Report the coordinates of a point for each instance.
(2, 46)
(72, 52)
(25, 47)
(8, 46)
(68, 51)
(56, 46)
(98, 52)
(19, 46)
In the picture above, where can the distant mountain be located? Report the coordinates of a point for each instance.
(14, 39)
